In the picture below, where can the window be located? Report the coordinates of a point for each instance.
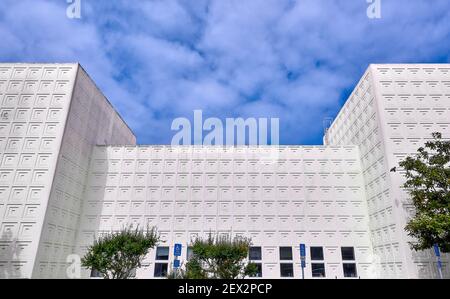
(189, 253)
(160, 270)
(318, 269)
(259, 272)
(285, 253)
(348, 253)
(95, 273)
(316, 253)
(350, 270)
(286, 270)
(162, 253)
(254, 254)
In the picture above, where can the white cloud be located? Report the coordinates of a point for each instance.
(160, 59)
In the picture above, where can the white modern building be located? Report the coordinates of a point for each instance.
(70, 170)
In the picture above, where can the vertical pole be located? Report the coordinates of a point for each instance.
(303, 259)
(439, 262)
(440, 267)
(176, 270)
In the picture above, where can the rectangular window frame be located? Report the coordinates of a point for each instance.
(345, 272)
(289, 256)
(258, 256)
(346, 256)
(161, 273)
(320, 257)
(159, 257)
(291, 266)
(314, 272)
(259, 274)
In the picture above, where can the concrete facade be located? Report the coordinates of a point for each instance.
(313, 195)
(52, 116)
(392, 112)
(71, 170)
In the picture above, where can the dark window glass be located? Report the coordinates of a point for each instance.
(285, 253)
(254, 254)
(259, 272)
(318, 270)
(316, 253)
(286, 270)
(348, 253)
(95, 273)
(162, 253)
(350, 270)
(160, 270)
(189, 253)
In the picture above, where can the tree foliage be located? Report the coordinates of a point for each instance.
(428, 183)
(117, 255)
(219, 257)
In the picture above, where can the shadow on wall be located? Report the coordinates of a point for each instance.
(9, 263)
(96, 204)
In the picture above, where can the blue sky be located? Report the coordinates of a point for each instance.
(162, 59)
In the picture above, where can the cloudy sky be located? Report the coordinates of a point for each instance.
(160, 59)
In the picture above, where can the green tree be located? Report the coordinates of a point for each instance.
(117, 255)
(219, 257)
(428, 183)
(193, 270)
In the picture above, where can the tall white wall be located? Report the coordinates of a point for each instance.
(91, 121)
(51, 117)
(60, 187)
(390, 113)
(413, 101)
(34, 101)
(311, 195)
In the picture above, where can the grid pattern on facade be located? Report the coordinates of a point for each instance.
(34, 105)
(392, 111)
(310, 194)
